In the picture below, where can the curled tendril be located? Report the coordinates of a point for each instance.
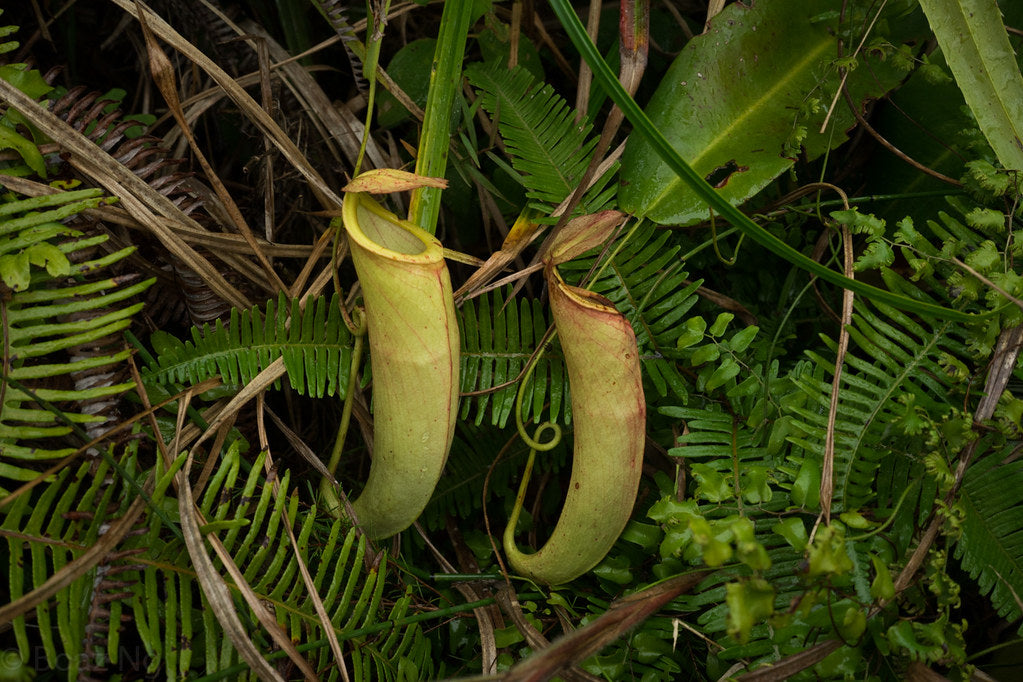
(534, 443)
(717, 249)
(534, 446)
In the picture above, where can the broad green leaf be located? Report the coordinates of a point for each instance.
(827, 553)
(715, 550)
(935, 641)
(644, 127)
(743, 338)
(14, 270)
(712, 485)
(728, 369)
(755, 483)
(410, 69)
(793, 530)
(720, 324)
(853, 623)
(976, 46)
(50, 257)
(881, 587)
(748, 550)
(740, 102)
(26, 149)
(693, 334)
(29, 81)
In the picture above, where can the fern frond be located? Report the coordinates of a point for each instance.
(497, 343)
(315, 345)
(8, 45)
(646, 282)
(545, 143)
(729, 460)
(170, 611)
(892, 370)
(45, 532)
(991, 546)
(51, 309)
(334, 12)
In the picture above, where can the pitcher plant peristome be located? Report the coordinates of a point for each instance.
(608, 416)
(413, 342)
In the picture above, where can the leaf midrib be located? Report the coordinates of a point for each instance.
(673, 185)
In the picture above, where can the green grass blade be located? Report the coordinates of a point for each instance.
(642, 125)
(976, 47)
(445, 82)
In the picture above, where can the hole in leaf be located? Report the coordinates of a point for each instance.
(720, 176)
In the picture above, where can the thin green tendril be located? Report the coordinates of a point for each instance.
(717, 250)
(520, 497)
(534, 442)
(888, 522)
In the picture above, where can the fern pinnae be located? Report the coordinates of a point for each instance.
(991, 546)
(539, 130)
(334, 12)
(903, 358)
(498, 341)
(314, 344)
(44, 316)
(242, 500)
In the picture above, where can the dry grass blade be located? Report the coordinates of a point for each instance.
(143, 203)
(220, 242)
(635, 28)
(163, 75)
(248, 106)
(621, 617)
(77, 568)
(713, 8)
(582, 96)
(329, 122)
(321, 611)
(307, 578)
(790, 665)
(213, 585)
(827, 487)
(333, 126)
(274, 371)
(828, 467)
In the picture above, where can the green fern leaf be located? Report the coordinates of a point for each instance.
(497, 343)
(249, 516)
(54, 305)
(991, 546)
(545, 143)
(316, 348)
(50, 529)
(891, 355)
(734, 463)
